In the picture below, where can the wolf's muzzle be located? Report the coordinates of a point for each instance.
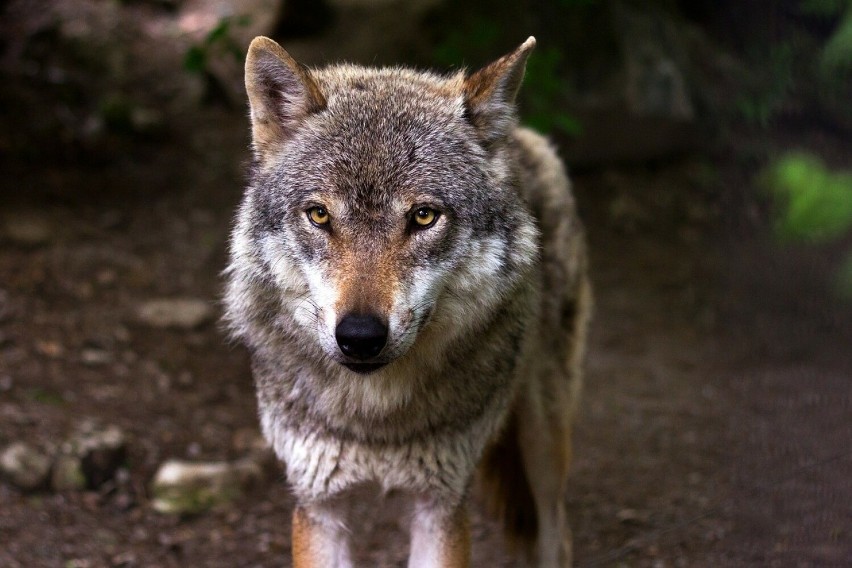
(361, 337)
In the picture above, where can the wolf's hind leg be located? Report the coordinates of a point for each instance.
(545, 443)
(524, 474)
(545, 414)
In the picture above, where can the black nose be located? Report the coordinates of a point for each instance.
(361, 337)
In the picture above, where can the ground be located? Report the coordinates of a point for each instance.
(715, 427)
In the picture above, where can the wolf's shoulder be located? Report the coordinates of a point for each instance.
(542, 175)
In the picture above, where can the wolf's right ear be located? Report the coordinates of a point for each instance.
(490, 92)
(281, 93)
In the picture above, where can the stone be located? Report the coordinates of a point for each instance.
(28, 229)
(95, 357)
(652, 46)
(147, 121)
(175, 313)
(99, 450)
(48, 348)
(182, 487)
(24, 466)
(67, 474)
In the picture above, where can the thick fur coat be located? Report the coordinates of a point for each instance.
(409, 273)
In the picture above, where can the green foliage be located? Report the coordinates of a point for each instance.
(770, 88)
(823, 7)
(815, 206)
(544, 86)
(116, 111)
(790, 66)
(217, 41)
(837, 54)
(476, 40)
(815, 202)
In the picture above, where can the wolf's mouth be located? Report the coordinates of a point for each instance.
(364, 368)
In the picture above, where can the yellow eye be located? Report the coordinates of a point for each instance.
(425, 217)
(319, 216)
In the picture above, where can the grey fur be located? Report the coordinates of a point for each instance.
(487, 307)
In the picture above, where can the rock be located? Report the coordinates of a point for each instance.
(48, 348)
(176, 313)
(656, 99)
(632, 516)
(24, 466)
(182, 487)
(185, 379)
(147, 121)
(99, 451)
(67, 474)
(28, 229)
(95, 357)
(652, 45)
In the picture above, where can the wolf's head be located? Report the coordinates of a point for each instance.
(382, 200)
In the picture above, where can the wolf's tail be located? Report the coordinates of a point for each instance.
(507, 487)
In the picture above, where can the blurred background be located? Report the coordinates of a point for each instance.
(710, 144)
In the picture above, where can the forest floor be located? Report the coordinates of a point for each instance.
(715, 427)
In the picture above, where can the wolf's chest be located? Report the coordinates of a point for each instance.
(320, 466)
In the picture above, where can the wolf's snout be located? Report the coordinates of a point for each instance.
(361, 337)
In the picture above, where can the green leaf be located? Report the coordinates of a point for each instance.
(823, 7)
(815, 203)
(237, 52)
(568, 124)
(539, 121)
(195, 59)
(837, 54)
(218, 33)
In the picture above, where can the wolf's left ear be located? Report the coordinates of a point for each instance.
(490, 92)
(281, 93)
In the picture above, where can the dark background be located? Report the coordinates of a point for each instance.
(709, 144)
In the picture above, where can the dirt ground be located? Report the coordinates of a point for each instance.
(716, 423)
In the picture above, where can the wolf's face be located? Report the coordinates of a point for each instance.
(378, 204)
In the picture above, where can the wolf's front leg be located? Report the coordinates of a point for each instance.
(320, 539)
(440, 536)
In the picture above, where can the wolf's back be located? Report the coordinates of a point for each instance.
(565, 308)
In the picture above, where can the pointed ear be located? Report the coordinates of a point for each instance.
(281, 93)
(490, 92)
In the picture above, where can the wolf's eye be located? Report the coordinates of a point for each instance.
(424, 217)
(319, 216)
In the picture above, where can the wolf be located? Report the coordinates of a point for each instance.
(409, 273)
